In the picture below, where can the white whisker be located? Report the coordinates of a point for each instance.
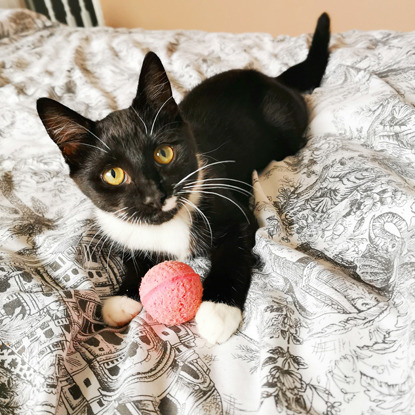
(119, 211)
(201, 168)
(107, 238)
(90, 242)
(89, 131)
(220, 178)
(109, 255)
(99, 242)
(69, 129)
(138, 115)
(222, 196)
(198, 210)
(122, 215)
(222, 186)
(86, 248)
(81, 144)
(158, 112)
(211, 151)
(188, 211)
(164, 131)
(90, 145)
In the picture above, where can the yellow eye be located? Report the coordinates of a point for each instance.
(114, 176)
(163, 154)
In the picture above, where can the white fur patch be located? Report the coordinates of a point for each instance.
(217, 322)
(172, 237)
(118, 311)
(169, 204)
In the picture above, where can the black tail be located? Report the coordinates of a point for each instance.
(307, 75)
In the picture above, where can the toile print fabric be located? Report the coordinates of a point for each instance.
(329, 324)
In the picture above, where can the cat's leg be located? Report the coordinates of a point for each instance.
(226, 286)
(120, 309)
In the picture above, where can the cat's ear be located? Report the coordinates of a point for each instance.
(154, 89)
(68, 129)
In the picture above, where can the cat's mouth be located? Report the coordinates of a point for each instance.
(156, 215)
(168, 210)
(150, 213)
(152, 217)
(159, 217)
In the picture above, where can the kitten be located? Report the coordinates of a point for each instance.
(173, 181)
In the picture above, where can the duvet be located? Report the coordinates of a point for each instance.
(329, 324)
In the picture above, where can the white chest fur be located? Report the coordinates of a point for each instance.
(172, 237)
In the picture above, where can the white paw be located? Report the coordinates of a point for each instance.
(118, 311)
(217, 322)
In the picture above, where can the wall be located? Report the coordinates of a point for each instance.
(10, 4)
(291, 17)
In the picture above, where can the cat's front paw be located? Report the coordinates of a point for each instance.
(118, 311)
(217, 322)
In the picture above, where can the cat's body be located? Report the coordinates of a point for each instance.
(173, 181)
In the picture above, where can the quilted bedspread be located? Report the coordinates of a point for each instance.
(329, 324)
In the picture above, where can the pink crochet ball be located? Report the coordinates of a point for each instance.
(171, 292)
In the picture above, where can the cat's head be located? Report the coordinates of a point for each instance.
(130, 162)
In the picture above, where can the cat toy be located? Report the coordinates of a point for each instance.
(171, 292)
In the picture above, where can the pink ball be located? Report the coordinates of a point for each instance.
(171, 292)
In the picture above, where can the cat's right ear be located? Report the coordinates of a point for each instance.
(68, 129)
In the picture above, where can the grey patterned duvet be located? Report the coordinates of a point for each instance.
(329, 325)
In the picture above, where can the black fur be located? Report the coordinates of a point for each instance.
(241, 116)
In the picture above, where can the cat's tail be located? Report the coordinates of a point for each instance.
(307, 75)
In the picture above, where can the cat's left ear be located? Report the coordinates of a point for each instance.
(154, 89)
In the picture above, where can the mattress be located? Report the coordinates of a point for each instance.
(329, 323)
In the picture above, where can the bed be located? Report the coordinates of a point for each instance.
(329, 324)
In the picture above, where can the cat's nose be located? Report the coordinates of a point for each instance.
(150, 202)
(154, 202)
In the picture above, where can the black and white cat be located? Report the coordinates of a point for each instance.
(173, 181)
